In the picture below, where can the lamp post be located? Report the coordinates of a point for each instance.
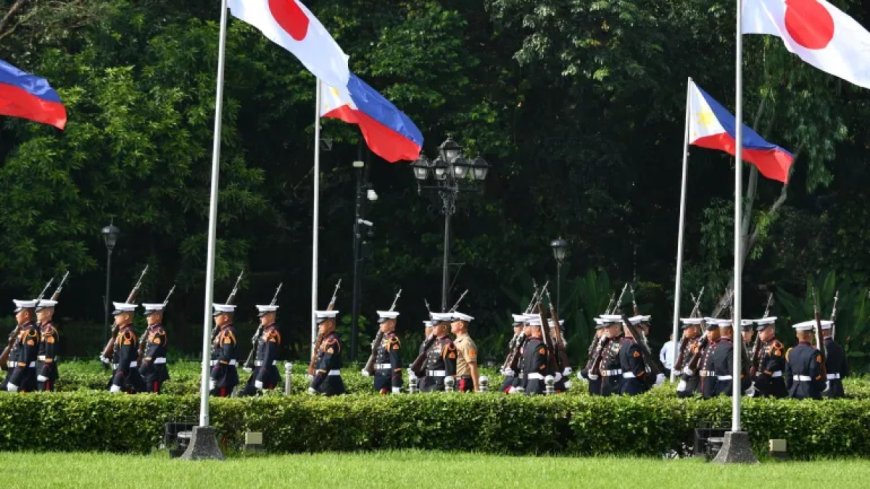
(110, 238)
(560, 251)
(447, 175)
(363, 192)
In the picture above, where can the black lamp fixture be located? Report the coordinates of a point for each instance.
(560, 249)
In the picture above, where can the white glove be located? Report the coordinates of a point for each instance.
(567, 372)
(312, 391)
(688, 371)
(509, 372)
(660, 379)
(258, 384)
(11, 387)
(41, 378)
(568, 385)
(411, 374)
(247, 369)
(557, 377)
(115, 389)
(365, 373)
(681, 387)
(512, 390)
(104, 360)
(309, 378)
(397, 390)
(593, 377)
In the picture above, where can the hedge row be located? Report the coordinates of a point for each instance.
(644, 425)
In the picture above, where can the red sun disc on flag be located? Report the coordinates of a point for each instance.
(290, 17)
(809, 23)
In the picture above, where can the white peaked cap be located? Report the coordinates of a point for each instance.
(826, 324)
(691, 321)
(324, 315)
(384, 315)
(152, 308)
(519, 318)
(224, 309)
(121, 307)
(611, 318)
(439, 317)
(747, 322)
(640, 318)
(262, 310)
(428, 324)
(23, 304)
(458, 316)
(804, 326)
(45, 303)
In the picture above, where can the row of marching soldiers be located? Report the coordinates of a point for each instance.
(704, 363)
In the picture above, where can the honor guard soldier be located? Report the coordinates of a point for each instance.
(427, 332)
(327, 373)
(706, 368)
(634, 375)
(561, 378)
(610, 367)
(592, 370)
(22, 357)
(747, 334)
(510, 375)
(723, 361)
(152, 362)
(441, 356)
(225, 357)
(388, 358)
(265, 375)
(46, 359)
(769, 380)
(466, 359)
(835, 362)
(535, 359)
(125, 377)
(805, 371)
(691, 346)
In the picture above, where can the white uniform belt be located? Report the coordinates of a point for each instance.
(41, 358)
(159, 360)
(31, 364)
(132, 365)
(536, 376)
(778, 373)
(707, 373)
(11, 364)
(382, 366)
(628, 375)
(611, 373)
(801, 378)
(259, 363)
(724, 377)
(833, 376)
(232, 362)
(333, 373)
(436, 373)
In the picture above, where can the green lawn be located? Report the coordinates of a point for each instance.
(416, 470)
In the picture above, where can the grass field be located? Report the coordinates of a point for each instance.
(417, 470)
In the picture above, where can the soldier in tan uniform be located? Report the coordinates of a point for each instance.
(467, 371)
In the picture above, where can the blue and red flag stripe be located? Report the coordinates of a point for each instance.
(29, 97)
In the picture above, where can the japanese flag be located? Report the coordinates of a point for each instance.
(816, 31)
(292, 26)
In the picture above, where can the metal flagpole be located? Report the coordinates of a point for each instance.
(315, 226)
(679, 279)
(212, 221)
(736, 391)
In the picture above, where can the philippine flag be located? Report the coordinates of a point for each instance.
(29, 97)
(388, 132)
(292, 26)
(817, 32)
(713, 127)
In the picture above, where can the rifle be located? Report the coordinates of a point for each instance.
(619, 300)
(696, 309)
(696, 357)
(109, 349)
(13, 335)
(143, 340)
(230, 299)
(56, 295)
(770, 303)
(515, 346)
(834, 315)
(654, 364)
(534, 297)
(593, 365)
(249, 362)
(315, 350)
(634, 308)
(678, 363)
(611, 302)
(545, 334)
(561, 355)
(820, 344)
(458, 301)
(379, 337)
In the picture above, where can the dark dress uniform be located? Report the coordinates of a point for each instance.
(723, 367)
(388, 365)
(23, 358)
(805, 372)
(587, 373)
(611, 368)
(689, 379)
(46, 359)
(835, 367)
(440, 363)
(631, 362)
(535, 366)
(225, 361)
(266, 356)
(327, 376)
(707, 372)
(561, 353)
(153, 369)
(510, 375)
(126, 375)
(769, 380)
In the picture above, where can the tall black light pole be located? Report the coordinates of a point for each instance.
(363, 191)
(560, 251)
(110, 237)
(446, 176)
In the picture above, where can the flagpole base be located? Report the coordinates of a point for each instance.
(203, 445)
(736, 449)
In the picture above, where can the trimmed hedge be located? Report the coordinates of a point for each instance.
(644, 425)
